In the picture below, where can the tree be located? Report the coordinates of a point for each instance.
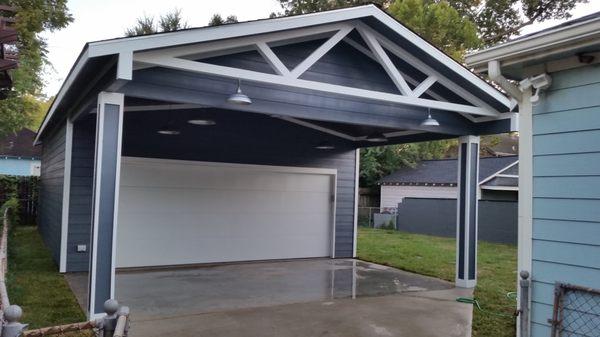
(376, 162)
(32, 17)
(499, 20)
(218, 20)
(169, 22)
(439, 23)
(495, 20)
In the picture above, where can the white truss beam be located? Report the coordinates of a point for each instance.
(249, 75)
(424, 86)
(320, 52)
(385, 61)
(274, 61)
(424, 68)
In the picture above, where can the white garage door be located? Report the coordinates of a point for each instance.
(175, 212)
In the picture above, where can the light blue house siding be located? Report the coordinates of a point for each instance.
(17, 166)
(566, 189)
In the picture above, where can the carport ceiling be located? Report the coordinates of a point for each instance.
(343, 72)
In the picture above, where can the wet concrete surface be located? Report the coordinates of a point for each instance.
(237, 286)
(314, 297)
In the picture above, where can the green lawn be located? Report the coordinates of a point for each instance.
(435, 256)
(35, 284)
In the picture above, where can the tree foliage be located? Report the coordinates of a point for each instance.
(168, 22)
(376, 162)
(217, 20)
(439, 23)
(32, 18)
(495, 20)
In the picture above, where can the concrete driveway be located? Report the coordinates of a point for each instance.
(315, 297)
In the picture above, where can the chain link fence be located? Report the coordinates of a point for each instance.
(378, 217)
(576, 311)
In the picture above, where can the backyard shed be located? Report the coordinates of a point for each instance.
(240, 142)
(558, 70)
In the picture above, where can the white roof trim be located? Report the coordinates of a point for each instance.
(540, 44)
(205, 34)
(498, 172)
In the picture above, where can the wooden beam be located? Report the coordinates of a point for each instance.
(320, 52)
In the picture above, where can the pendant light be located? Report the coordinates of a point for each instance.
(239, 97)
(429, 121)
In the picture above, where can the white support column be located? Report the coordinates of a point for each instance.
(466, 212)
(109, 130)
(525, 218)
(64, 232)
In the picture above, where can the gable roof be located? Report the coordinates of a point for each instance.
(19, 144)
(124, 48)
(445, 171)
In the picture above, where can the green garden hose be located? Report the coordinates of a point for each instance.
(473, 301)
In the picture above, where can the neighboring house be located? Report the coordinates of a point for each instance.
(18, 156)
(498, 180)
(558, 71)
(165, 161)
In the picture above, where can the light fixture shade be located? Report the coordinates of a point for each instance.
(325, 145)
(239, 97)
(376, 137)
(430, 121)
(202, 122)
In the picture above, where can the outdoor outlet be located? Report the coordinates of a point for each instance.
(81, 248)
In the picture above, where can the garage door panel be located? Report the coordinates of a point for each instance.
(181, 214)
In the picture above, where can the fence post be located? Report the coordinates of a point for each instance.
(107, 324)
(11, 326)
(524, 301)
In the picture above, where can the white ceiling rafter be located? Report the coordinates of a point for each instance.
(344, 135)
(179, 58)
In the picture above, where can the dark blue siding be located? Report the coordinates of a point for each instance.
(51, 190)
(80, 202)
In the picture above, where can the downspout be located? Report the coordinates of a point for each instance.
(522, 94)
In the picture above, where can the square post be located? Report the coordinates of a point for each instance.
(107, 165)
(467, 212)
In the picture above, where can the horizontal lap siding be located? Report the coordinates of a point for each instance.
(51, 190)
(80, 203)
(566, 189)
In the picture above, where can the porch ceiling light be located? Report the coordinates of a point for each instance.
(169, 129)
(325, 145)
(376, 137)
(430, 121)
(239, 97)
(202, 122)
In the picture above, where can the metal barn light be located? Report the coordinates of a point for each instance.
(239, 97)
(430, 121)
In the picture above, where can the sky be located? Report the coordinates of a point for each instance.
(105, 19)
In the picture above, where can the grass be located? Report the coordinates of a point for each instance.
(435, 256)
(35, 284)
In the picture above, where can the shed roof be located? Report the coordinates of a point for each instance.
(445, 171)
(19, 144)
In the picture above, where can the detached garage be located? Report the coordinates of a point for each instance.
(222, 212)
(241, 142)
